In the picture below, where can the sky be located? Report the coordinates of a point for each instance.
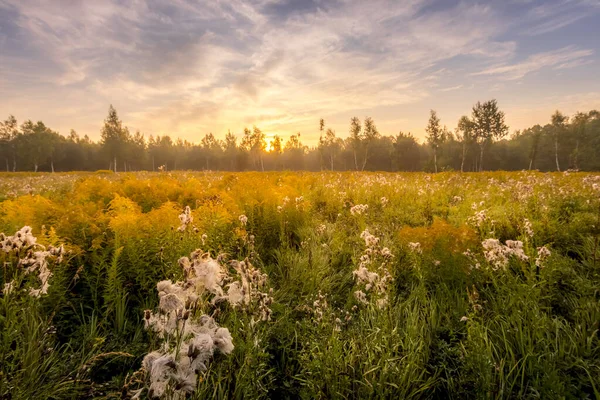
(186, 68)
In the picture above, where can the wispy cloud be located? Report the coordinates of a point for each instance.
(449, 89)
(551, 15)
(567, 57)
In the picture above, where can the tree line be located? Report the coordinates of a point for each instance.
(479, 142)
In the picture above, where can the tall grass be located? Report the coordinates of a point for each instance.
(454, 326)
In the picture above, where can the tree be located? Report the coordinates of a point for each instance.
(370, 134)
(254, 143)
(406, 154)
(137, 150)
(258, 147)
(435, 135)
(321, 140)
(276, 150)
(113, 137)
(355, 138)
(294, 152)
(488, 125)
(536, 134)
(558, 128)
(465, 129)
(329, 146)
(55, 149)
(162, 152)
(211, 148)
(37, 147)
(231, 149)
(578, 124)
(8, 135)
(40, 143)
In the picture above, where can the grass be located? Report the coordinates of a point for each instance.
(453, 326)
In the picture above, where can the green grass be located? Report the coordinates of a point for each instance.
(453, 327)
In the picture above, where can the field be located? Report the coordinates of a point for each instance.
(300, 285)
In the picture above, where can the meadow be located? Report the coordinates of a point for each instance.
(300, 285)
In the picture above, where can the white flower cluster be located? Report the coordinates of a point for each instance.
(189, 344)
(596, 187)
(243, 219)
(473, 258)
(173, 370)
(372, 271)
(321, 229)
(542, 254)
(285, 201)
(185, 218)
(320, 306)
(323, 314)
(33, 257)
(249, 292)
(21, 239)
(479, 218)
(359, 209)
(527, 227)
(497, 254)
(415, 247)
(370, 240)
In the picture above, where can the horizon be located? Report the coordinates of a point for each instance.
(186, 69)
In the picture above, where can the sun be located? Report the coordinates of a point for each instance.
(269, 147)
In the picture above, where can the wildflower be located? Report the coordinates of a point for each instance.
(415, 247)
(479, 218)
(527, 227)
(175, 370)
(8, 288)
(384, 201)
(208, 274)
(386, 252)
(361, 296)
(185, 380)
(243, 219)
(223, 340)
(364, 276)
(235, 294)
(359, 209)
(498, 254)
(185, 218)
(370, 240)
(201, 346)
(543, 254)
(464, 318)
(35, 260)
(382, 302)
(170, 302)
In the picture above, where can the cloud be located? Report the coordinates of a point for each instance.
(449, 89)
(554, 15)
(566, 57)
(186, 68)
